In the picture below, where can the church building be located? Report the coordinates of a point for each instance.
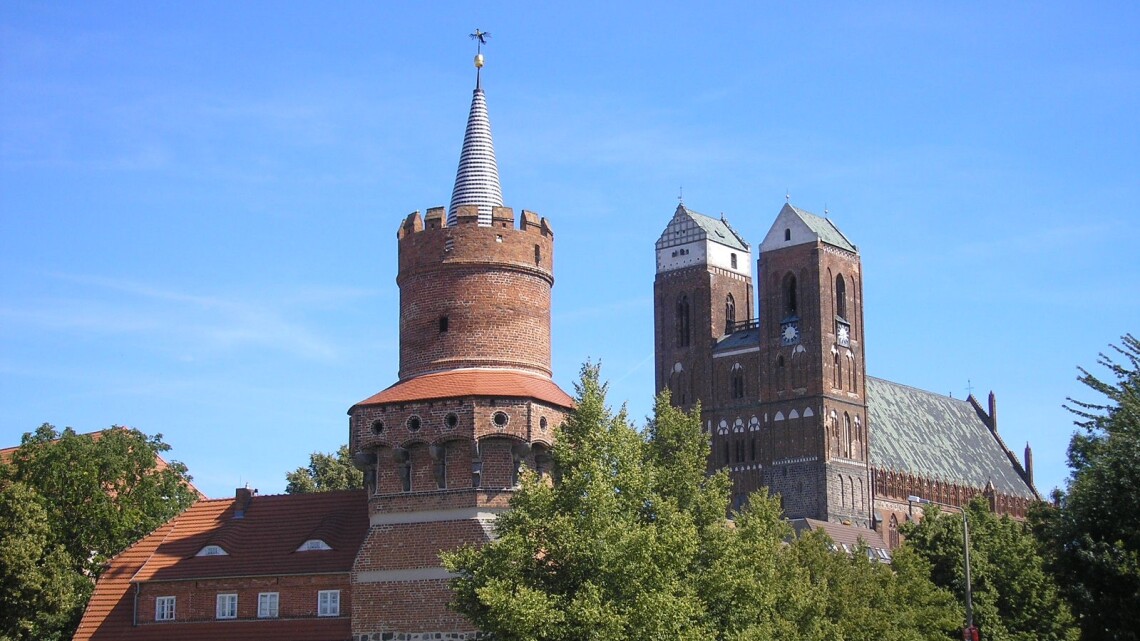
(784, 391)
(784, 396)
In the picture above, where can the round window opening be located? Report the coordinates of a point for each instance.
(500, 419)
(451, 420)
(413, 423)
(542, 423)
(377, 426)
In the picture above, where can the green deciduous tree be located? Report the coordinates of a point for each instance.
(631, 542)
(325, 473)
(1091, 536)
(1014, 597)
(77, 500)
(41, 594)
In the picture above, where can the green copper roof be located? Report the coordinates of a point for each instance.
(824, 228)
(939, 437)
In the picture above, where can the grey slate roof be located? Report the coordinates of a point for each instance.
(824, 228)
(738, 340)
(935, 436)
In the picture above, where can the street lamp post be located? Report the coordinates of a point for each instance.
(970, 632)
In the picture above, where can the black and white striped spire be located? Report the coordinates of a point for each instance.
(477, 180)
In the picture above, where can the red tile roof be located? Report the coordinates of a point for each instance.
(262, 543)
(473, 382)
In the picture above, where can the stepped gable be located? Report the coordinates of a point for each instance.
(262, 542)
(937, 437)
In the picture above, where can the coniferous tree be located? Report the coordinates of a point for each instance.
(631, 540)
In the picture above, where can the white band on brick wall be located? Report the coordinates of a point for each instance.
(433, 516)
(397, 576)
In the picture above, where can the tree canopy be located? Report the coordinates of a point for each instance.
(1014, 597)
(1091, 536)
(631, 540)
(325, 473)
(68, 503)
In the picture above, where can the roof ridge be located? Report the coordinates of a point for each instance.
(919, 389)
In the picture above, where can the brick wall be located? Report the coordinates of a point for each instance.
(492, 284)
(196, 601)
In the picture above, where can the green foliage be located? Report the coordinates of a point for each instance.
(1091, 536)
(631, 541)
(325, 473)
(69, 503)
(41, 595)
(1014, 597)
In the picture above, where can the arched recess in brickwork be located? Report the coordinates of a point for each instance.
(851, 371)
(729, 313)
(836, 369)
(682, 321)
(847, 437)
(893, 532)
(860, 439)
(833, 434)
(781, 373)
(799, 367)
(842, 492)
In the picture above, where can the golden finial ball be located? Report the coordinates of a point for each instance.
(478, 61)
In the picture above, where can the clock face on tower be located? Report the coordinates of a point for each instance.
(790, 334)
(843, 335)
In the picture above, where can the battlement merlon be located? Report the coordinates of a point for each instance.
(468, 215)
(428, 243)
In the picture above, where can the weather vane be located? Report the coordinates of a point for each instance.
(480, 38)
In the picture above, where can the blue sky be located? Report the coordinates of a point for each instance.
(198, 201)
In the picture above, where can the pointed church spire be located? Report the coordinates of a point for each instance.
(477, 180)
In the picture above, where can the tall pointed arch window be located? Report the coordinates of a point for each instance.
(683, 321)
(847, 436)
(840, 297)
(791, 306)
(729, 313)
(737, 381)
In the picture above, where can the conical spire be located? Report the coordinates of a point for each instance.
(477, 180)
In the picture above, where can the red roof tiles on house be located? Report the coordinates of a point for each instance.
(263, 542)
(473, 382)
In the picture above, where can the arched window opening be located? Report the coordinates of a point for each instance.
(683, 321)
(737, 381)
(837, 364)
(739, 450)
(787, 234)
(789, 290)
(729, 313)
(733, 260)
(840, 297)
(842, 492)
(752, 449)
(893, 532)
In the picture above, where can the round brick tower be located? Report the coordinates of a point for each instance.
(473, 295)
(443, 448)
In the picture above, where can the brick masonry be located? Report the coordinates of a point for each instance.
(439, 470)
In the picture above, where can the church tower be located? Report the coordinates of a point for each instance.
(812, 369)
(702, 292)
(442, 448)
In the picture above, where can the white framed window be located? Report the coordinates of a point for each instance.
(164, 608)
(328, 603)
(212, 550)
(267, 605)
(227, 606)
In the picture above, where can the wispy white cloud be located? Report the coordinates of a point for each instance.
(188, 323)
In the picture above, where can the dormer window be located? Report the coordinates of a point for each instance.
(313, 545)
(212, 550)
